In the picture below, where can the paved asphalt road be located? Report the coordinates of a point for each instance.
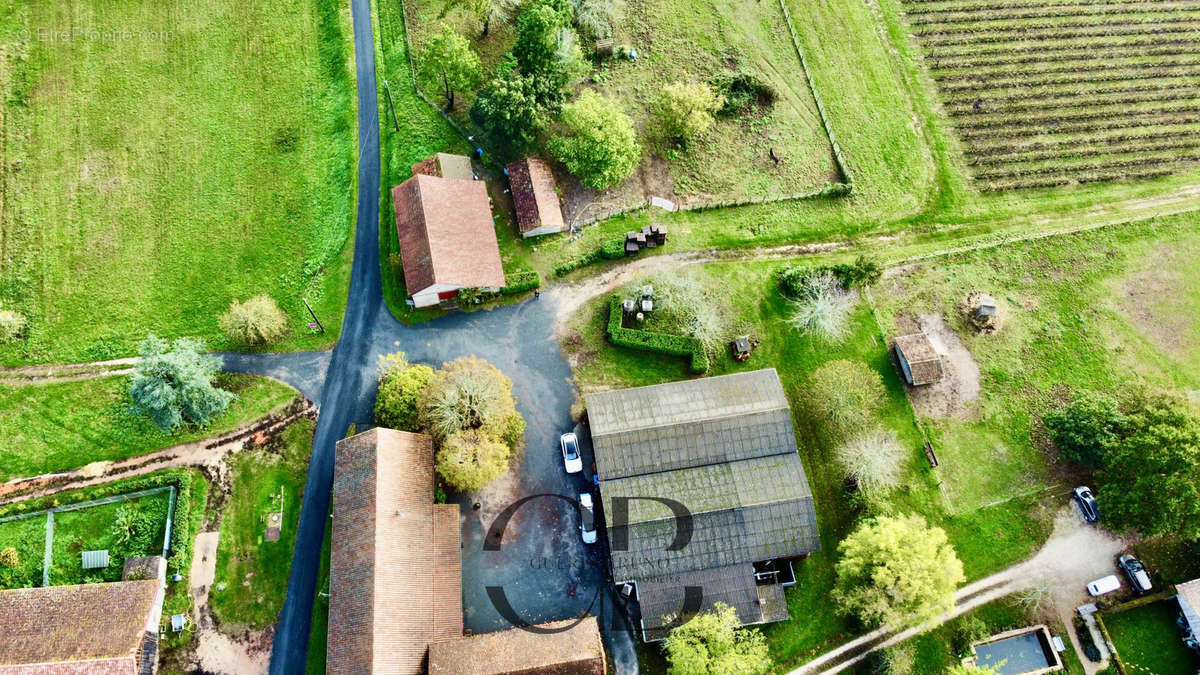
(546, 571)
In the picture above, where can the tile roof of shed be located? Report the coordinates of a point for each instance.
(446, 233)
(663, 600)
(923, 360)
(534, 197)
(576, 650)
(395, 560)
(67, 624)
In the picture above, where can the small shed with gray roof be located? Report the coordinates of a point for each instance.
(724, 449)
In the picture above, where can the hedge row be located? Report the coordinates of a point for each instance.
(611, 249)
(521, 281)
(662, 343)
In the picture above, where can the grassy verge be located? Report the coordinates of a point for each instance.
(46, 428)
(148, 181)
(1148, 640)
(255, 571)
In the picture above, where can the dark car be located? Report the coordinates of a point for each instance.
(1136, 572)
(1087, 503)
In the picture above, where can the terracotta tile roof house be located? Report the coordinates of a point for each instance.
(447, 238)
(96, 629)
(395, 560)
(724, 448)
(534, 197)
(574, 650)
(919, 361)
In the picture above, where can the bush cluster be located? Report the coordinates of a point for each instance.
(520, 282)
(675, 345)
(740, 90)
(611, 249)
(862, 272)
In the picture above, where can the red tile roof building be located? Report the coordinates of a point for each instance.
(447, 237)
(534, 197)
(93, 629)
(395, 565)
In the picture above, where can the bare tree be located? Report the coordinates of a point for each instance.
(822, 306)
(873, 460)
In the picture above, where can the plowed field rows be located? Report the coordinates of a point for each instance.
(1055, 92)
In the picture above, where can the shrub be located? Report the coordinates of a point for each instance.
(9, 557)
(566, 267)
(598, 143)
(863, 271)
(821, 307)
(896, 660)
(741, 90)
(470, 459)
(538, 37)
(12, 325)
(873, 459)
(714, 642)
(613, 249)
(173, 384)
(967, 631)
(896, 571)
(844, 397)
(400, 387)
(257, 321)
(594, 18)
(520, 282)
(684, 110)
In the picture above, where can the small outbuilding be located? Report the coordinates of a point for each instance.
(919, 361)
(535, 197)
(1188, 597)
(446, 165)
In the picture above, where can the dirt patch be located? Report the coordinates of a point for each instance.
(243, 655)
(955, 395)
(1075, 554)
(1150, 299)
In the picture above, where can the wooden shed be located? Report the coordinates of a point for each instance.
(919, 361)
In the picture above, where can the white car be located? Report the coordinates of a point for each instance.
(587, 519)
(570, 453)
(1104, 585)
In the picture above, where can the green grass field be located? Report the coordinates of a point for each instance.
(261, 478)
(1148, 640)
(45, 428)
(164, 158)
(28, 537)
(1102, 310)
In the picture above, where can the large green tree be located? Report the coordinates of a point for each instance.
(1150, 479)
(401, 385)
(598, 143)
(685, 110)
(173, 383)
(538, 28)
(713, 643)
(845, 397)
(897, 571)
(514, 108)
(450, 60)
(1084, 429)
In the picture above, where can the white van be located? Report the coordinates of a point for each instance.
(1104, 585)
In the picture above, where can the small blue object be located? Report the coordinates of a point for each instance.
(632, 54)
(479, 152)
(506, 171)
(595, 479)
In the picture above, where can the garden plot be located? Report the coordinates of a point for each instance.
(1054, 92)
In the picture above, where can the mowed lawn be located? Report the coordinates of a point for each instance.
(1148, 641)
(254, 570)
(1105, 310)
(164, 157)
(45, 428)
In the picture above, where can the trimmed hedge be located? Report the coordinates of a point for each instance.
(662, 343)
(520, 282)
(611, 249)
